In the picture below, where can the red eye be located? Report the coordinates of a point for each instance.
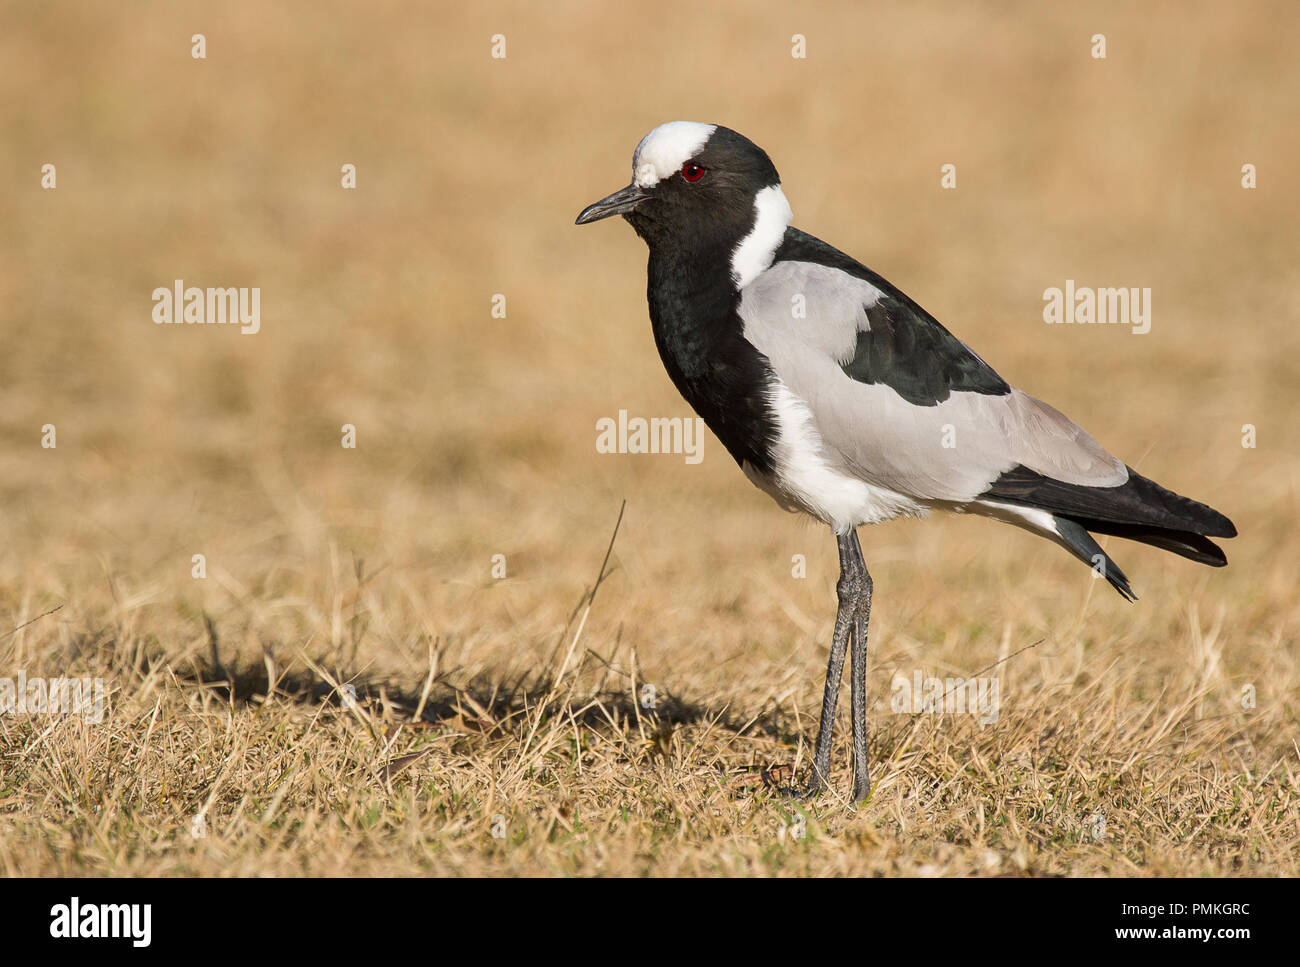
(692, 172)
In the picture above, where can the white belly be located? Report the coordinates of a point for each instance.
(807, 477)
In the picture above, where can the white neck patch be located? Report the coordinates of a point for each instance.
(664, 150)
(757, 249)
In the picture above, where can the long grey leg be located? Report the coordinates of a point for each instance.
(858, 674)
(847, 590)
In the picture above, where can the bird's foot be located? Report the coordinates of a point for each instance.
(815, 787)
(805, 793)
(861, 789)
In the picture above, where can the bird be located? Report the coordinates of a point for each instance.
(841, 398)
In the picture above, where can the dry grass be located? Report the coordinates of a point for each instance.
(476, 437)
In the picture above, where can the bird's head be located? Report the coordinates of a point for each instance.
(697, 186)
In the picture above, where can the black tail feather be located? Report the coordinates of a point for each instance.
(1192, 546)
(1080, 543)
(1137, 510)
(1139, 504)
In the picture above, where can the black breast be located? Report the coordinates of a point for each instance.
(719, 373)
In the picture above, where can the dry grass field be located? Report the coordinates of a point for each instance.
(500, 726)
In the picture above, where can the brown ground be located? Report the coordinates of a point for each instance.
(476, 438)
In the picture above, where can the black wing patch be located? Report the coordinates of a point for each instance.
(906, 348)
(916, 357)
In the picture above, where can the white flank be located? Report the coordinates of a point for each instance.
(1030, 518)
(805, 480)
(664, 150)
(757, 249)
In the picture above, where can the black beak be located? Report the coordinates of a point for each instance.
(623, 200)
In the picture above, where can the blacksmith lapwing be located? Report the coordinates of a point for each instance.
(841, 397)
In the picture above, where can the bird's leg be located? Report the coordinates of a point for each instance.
(846, 589)
(858, 674)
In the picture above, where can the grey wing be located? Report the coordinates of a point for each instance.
(900, 403)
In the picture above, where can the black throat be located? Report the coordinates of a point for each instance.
(698, 330)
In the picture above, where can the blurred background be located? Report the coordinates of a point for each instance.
(476, 435)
